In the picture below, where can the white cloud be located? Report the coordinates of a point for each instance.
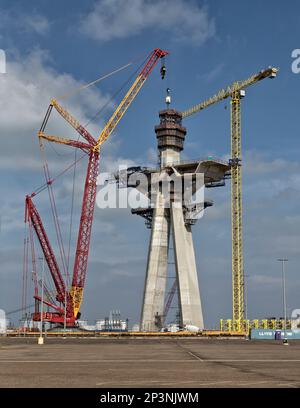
(268, 178)
(214, 73)
(113, 19)
(259, 164)
(266, 280)
(26, 91)
(32, 22)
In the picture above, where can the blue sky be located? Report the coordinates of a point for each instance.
(52, 47)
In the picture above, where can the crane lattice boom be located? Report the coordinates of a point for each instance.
(227, 92)
(129, 97)
(32, 216)
(73, 122)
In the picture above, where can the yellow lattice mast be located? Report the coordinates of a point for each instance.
(236, 92)
(237, 214)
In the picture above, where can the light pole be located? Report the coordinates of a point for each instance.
(246, 296)
(283, 261)
(41, 339)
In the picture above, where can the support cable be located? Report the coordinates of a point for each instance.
(25, 267)
(45, 185)
(71, 214)
(56, 219)
(99, 112)
(76, 90)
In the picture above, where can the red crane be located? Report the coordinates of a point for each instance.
(70, 299)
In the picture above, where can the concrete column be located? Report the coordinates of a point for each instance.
(157, 265)
(187, 279)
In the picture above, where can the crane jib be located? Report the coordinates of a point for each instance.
(227, 92)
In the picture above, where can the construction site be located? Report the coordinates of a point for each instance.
(173, 343)
(170, 216)
(170, 219)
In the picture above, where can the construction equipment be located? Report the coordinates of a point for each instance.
(236, 91)
(226, 325)
(70, 299)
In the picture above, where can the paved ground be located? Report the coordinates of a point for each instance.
(148, 363)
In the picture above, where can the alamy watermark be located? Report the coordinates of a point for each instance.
(134, 188)
(296, 62)
(295, 319)
(2, 62)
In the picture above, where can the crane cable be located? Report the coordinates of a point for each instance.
(72, 212)
(85, 86)
(53, 207)
(25, 265)
(56, 219)
(44, 186)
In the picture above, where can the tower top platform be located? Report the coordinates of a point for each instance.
(170, 133)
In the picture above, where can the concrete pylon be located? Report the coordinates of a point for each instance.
(186, 271)
(162, 219)
(157, 267)
(170, 136)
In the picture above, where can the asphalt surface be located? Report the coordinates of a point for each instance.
(148, 363)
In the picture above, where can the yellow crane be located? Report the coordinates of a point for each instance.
(236, 91)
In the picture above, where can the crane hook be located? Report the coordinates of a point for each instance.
(168, 97)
